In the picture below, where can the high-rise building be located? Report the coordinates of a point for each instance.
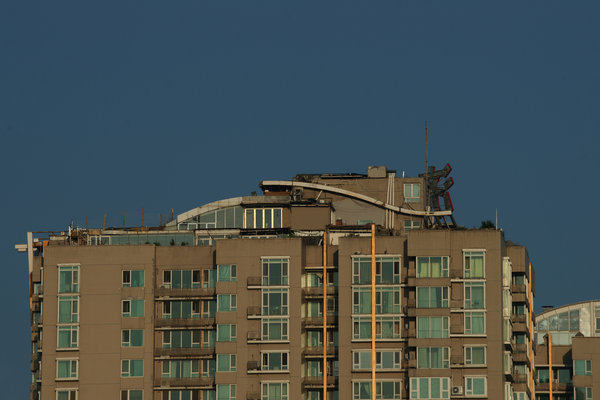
(346, 285)
(568, 340)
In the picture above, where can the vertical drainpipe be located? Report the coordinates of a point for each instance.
(530, 328)
(373, 359)
(324, 316)
(550, 374)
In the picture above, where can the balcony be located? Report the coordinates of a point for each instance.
(520, 357)
(253, 366)
(254, 282)
(317, 292)
(316, 352)
(521, 378)
(456, 360)
(254, 336)
(556, 386)
(316, 382)
(253, 396)
(519, 288)
(185, 322)
(319, 267)
(317, 322)
(200, 352)
(200, 383)
(198, 293)
(253, 311)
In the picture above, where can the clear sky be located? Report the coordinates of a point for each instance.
(113, 106)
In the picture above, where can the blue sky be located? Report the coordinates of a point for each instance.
(115, 106)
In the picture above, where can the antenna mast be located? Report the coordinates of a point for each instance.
(426, 192)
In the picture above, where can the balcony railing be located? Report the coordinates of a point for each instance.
(318, 351)
(254, 282)
(185, 322)
(315, 382)
(253, 311)
(519, 288)
(202, 383)
(556, 386)
(202, 352)
(317, 292)
(198, 293)
(317, 322)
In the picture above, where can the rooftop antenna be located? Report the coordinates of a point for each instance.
(496, 218)
(426, 172)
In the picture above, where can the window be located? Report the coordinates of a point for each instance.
(412, 192)
(474, 323)
(432, 267)
(474, 295)
(583, 393)
(387, 270)
(274, 361)
(208, 368)
(133, 308)
(262, 218)
(226, 362)
(275, 329)
(433, 357)
(274, 391)
(182, 339)
(66, 394)
(182, 279)
(475, 386)
(275, 271)
(210, 278)
(432, 297)
(226, 273)
(384, 359)
(132, 368)
(597, 314)
(133, 278)
(520, 396)
(68, 279)
(411, 225)
(132, 337)
(388, 389)
(385, 327)
(226, 333)
(582, 367)
(387, 300)
(226, 392)
(475, 355)
(132, 394)
(209, 308)
(66, 369)
(275, 302)
(68, 309)
(429, 388)
(67, 336)
(432, 327)
(474, 264)
(193, 394)
(181, 368)
(226, 302)
(182, 309)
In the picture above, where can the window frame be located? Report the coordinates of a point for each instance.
(468, 295)
(75, 278)
(445, 296)
(128, 362)
(127, 393)
(232, 302)
(128, 313)
(265, 396)
(409, 194)
(467, 254)
(73, 376)
(73, 300)
(74, 339)
(469, 315)
(129, 273)
(472, 378)
(129, 333)
(445, 357)
(69, 392)
(468, 348)
(444, 267)
(415, 387)
(445, 332)
(232, 337)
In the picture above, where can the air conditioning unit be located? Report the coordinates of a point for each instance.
(457, 390)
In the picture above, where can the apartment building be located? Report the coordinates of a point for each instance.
(337, 286)
(568, 344)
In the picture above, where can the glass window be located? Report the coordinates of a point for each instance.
(543, 375)
(68, 279)
(387, 300)
(66, 369)
(475, 386)
(474, 264)
(583, 393)
(226, 333)
(275, 301)
(433, 357)
(384, 389)
(208, 368)
(66, 394)
(275, 329)
(262, 218)
(226, 362)
(429, 388)
(432, 297)
(133, 308)
(474, 323)
(384, 359)
(411, 225)
(132, 337)
(68, 309)
(181, 368)
(387, 270)
(210, 278)
(226, 273)
(275, 271)
(133, 278)
(184, 339)
(183, 309)
(132, 394)
(432, 267)
(432, 327)
(412, 192)
(474, 295)
(274, 391)
(182, 279)
(274, 361)
(582, 367)
(132, 368)
(226, 302)
(226, 392)
(475, 355)
(67, 336)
